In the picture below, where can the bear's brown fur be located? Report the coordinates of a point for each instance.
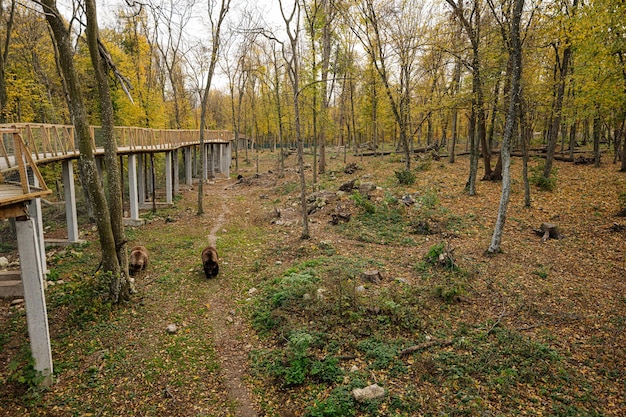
(138, 260)
(210, 262)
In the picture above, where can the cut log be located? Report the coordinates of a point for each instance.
(373, 276)
(550, 231)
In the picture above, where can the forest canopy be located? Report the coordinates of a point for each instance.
(370, 70)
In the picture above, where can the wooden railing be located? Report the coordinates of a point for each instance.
(47, 142)
(23, 182)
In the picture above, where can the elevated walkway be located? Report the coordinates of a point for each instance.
(25, 146)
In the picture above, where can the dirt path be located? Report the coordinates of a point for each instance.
(226, 329)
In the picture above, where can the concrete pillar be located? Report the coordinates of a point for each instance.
(211, 167)
(168, 178)
(225, 158)
(141, 179)
(133, 187)
(70, 200)
(151, 179)
(188, 167)
(205, 161)
(175, 171)
(34, 208)
(34, 297)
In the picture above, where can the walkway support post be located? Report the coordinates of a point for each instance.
(205, 160)
(175, 171)
(188, 167)
(212, 162)
(141, 180)
(34, 297)
(133, 187)
(34, 208)
(168, 177)
(70, 200)
(225, 158)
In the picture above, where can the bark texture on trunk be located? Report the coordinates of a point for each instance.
(121, 286)
(79, 115)
(515, 57)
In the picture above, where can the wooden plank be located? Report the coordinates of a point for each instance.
(5, 154)
(12, 211)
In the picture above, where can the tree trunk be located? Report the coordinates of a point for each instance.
(4, 55)
(515, 57)
(623, 168)
(455, 112)
(557, 109)
(596, 140)
(216, 27)
(79, 115)
(120, 287)
(526, 133)
(294, 76)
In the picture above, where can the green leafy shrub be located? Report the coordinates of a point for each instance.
(282, 292)
(432, 256)
(450, 290)
(380, 353)
(541, 182)
(339, 403)
(363, 202)
(382, 223)
(405, 177)
(294, 364)
(22, 372)
(327, 370)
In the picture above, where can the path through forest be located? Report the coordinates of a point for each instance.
(226, 328)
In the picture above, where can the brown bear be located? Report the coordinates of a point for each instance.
(209, 262)
(138, 260)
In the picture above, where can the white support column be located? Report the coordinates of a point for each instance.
(205, 160)
(175, 171)
(141, 180)
(133, 187)
(70, 200)
(211, 167)
(219, 155)
(226, 159)
(151, 180)
(36, 313)
(188, 167)
(34, 208)
(168, 177)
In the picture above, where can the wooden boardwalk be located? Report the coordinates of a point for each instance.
(25, 146)
(50, 143)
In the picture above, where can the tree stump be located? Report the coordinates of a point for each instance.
(374, 276)
(550, 231)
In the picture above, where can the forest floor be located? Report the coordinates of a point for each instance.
(290, 326)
